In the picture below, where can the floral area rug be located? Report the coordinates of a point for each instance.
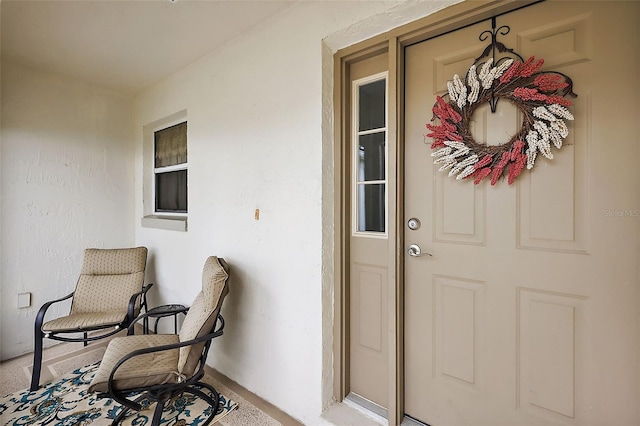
(67, 402)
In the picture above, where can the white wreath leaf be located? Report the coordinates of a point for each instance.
(455, 144)
(561, 127)
(461, 88)
(502, 68)
(543, 113)
(472, 80)
(466, 172)
(488, 80)
(443, 151)
(447, 165)
(472, 159)
(453, 93)
(531, 157)
(560, 111)
(532, 150)
(555, 137)
(484, 70)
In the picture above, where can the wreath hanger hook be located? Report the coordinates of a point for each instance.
(490, 51)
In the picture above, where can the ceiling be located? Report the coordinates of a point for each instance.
(124, 45)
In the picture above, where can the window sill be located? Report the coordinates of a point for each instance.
(169, 223)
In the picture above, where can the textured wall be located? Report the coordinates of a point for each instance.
(67, 184)
(260, 137)
(257, 109)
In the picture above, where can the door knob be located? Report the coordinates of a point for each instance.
(414, 250)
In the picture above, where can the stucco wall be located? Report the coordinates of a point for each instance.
(260, 137)
(256, 110)
(67, 184)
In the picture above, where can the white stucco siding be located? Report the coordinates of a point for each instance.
(257, 109)
(255, 142)
(260, 137)
(67, 184)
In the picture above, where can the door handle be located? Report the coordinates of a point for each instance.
(414, 250)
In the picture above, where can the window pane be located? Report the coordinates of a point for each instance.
(372, 105)
(371, 157)
(171, 145)
(171, 192)
(371, 208)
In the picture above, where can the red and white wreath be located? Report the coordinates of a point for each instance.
(538, 95)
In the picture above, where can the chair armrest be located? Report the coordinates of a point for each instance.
(218, 332)
(43, 310)
(131, 310)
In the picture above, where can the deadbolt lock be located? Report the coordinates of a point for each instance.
(413, 224)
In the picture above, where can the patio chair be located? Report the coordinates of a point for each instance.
(109, 295)
(157, 367)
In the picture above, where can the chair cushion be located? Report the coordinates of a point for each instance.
(78, 322)
(214, 277)
(106, 270)
(95, 293)
(145, 370)
(203, 313)
(114, 261)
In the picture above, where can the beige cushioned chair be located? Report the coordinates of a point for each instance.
(157, 367)
(108, 296)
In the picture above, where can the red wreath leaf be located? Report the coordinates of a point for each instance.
(441, 132)
(516, 150)
(527, 94)
(516, 168)
(486, 160)
(495, 175)
(556, 99)
(444, 111)
(549, 82)
(499, 169)
(530, 67)
(513, 70)
(481, 174)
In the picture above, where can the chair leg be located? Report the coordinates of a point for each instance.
(120, 417)
(37, 358)
(157, 413)
(85, 339)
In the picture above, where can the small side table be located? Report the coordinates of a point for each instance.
(161, 312)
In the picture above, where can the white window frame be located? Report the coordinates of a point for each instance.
(167, 169)
(355, 153)
(151, 218)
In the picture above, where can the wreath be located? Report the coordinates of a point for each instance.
(538, 95)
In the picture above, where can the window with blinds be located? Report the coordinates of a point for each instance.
(170, 169)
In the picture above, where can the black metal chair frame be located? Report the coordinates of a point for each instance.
(39, 335)
(163, 393)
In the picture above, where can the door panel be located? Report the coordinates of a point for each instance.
(527, 312)
(368, 279)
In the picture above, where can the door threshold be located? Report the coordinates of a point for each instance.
(410, 421)
(367, 407)
(350, 413)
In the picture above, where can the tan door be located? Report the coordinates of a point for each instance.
(527, 313)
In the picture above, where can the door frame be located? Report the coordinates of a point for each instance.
(394, 41)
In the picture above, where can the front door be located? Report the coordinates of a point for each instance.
(527, 311)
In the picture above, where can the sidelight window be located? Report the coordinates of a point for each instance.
(370, 155)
